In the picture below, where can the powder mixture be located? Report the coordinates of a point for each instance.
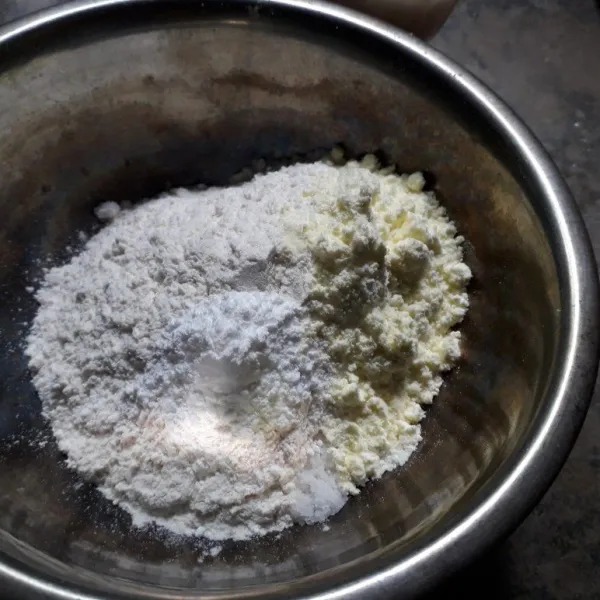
(231, 361)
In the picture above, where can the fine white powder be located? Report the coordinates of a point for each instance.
(231, 361)
(226, 409)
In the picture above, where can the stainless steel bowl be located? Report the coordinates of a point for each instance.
(121, 99)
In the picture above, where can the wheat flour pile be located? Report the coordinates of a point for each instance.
(231, 361)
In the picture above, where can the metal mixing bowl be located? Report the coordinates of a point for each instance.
(122, 99)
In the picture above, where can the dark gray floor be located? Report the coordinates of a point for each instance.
(543, 58)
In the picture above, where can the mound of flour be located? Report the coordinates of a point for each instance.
(176, 374)
(222, 423)
(231, 361)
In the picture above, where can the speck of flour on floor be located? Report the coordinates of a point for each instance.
(228, 362)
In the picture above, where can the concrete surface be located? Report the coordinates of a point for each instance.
(543, 58)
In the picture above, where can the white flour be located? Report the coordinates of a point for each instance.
(231, 361)
(226, 409)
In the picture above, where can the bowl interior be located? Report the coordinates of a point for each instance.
(124, 113)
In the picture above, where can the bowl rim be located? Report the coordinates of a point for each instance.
(527, 475)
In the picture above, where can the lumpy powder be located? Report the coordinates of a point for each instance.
(231, 361)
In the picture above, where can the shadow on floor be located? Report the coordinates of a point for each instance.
(487, 578)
